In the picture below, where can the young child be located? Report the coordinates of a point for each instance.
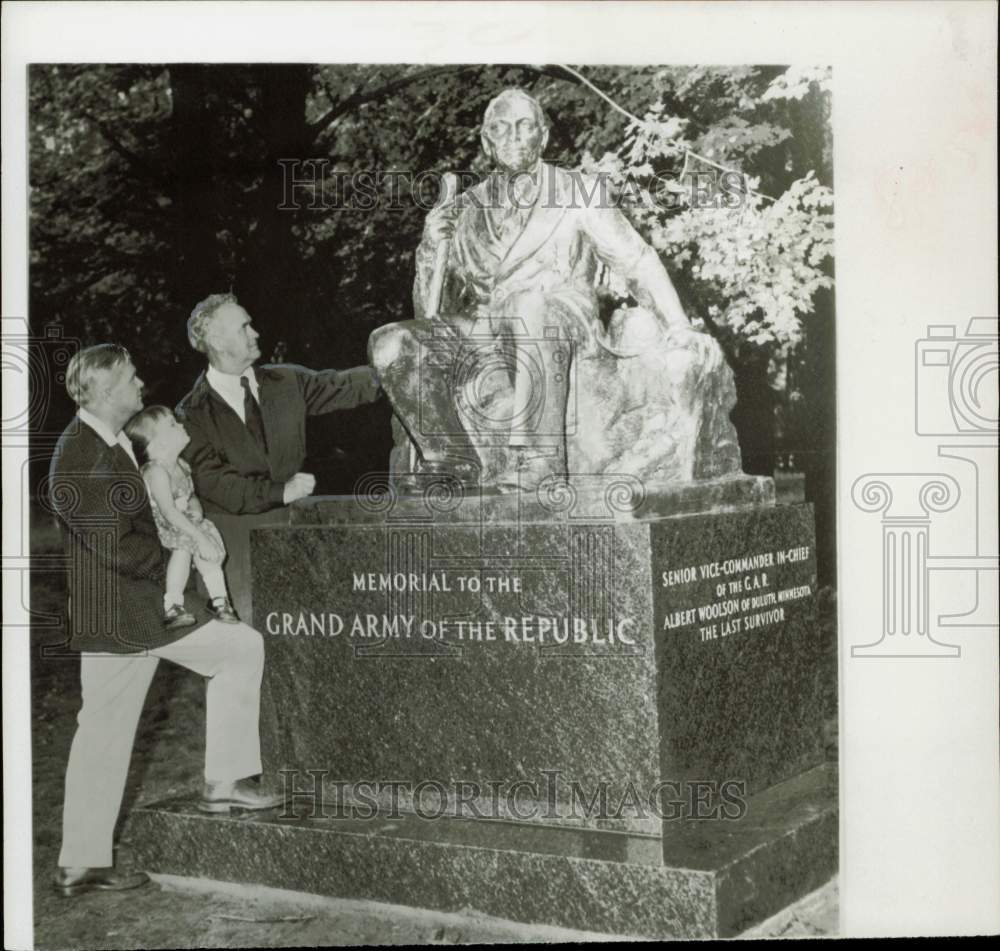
(158, 439)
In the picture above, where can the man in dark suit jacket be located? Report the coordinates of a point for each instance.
(116, 588)
(248, 430)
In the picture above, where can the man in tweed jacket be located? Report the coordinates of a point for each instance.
(116, 583)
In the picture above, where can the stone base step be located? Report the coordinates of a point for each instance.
(702, 879)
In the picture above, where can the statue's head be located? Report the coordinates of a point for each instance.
(515, 131)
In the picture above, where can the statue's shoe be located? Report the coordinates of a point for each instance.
(433, 477)
(69, 882)
(525, 473)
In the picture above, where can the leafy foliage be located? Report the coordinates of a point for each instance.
(763, 261)
(751, 264)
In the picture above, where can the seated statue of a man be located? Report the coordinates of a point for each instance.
(506, 303)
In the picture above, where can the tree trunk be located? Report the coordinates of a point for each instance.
(818, 452)
(753, 416)
(271, 279)
(198, 268)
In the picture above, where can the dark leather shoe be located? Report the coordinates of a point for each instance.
(75, 881)
(242, 794)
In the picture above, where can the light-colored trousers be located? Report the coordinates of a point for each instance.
(114, 686)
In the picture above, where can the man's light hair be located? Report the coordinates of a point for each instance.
(84, 366)
(201, 318)
(515, 93)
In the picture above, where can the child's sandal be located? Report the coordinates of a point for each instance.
(176, 616)
(223, 610)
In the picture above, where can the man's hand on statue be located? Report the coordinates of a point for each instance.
(298, 487)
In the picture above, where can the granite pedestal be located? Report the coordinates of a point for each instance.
(596, 709)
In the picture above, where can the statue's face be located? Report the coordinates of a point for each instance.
(514, 136)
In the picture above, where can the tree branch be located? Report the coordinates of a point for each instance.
(134, 161)
(361, 98)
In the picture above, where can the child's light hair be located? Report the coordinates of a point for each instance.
(140, 428)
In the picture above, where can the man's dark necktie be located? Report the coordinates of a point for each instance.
(252, 415)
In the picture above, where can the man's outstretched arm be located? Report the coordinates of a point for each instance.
(327, 390)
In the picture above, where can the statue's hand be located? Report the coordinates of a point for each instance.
(440, 224)
(705, 347)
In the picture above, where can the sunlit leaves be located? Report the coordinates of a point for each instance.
(795, 82)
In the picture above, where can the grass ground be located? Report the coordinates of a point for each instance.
(177, 913)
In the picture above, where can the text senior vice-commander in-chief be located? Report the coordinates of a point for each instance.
(248, 429)
(116, 581)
